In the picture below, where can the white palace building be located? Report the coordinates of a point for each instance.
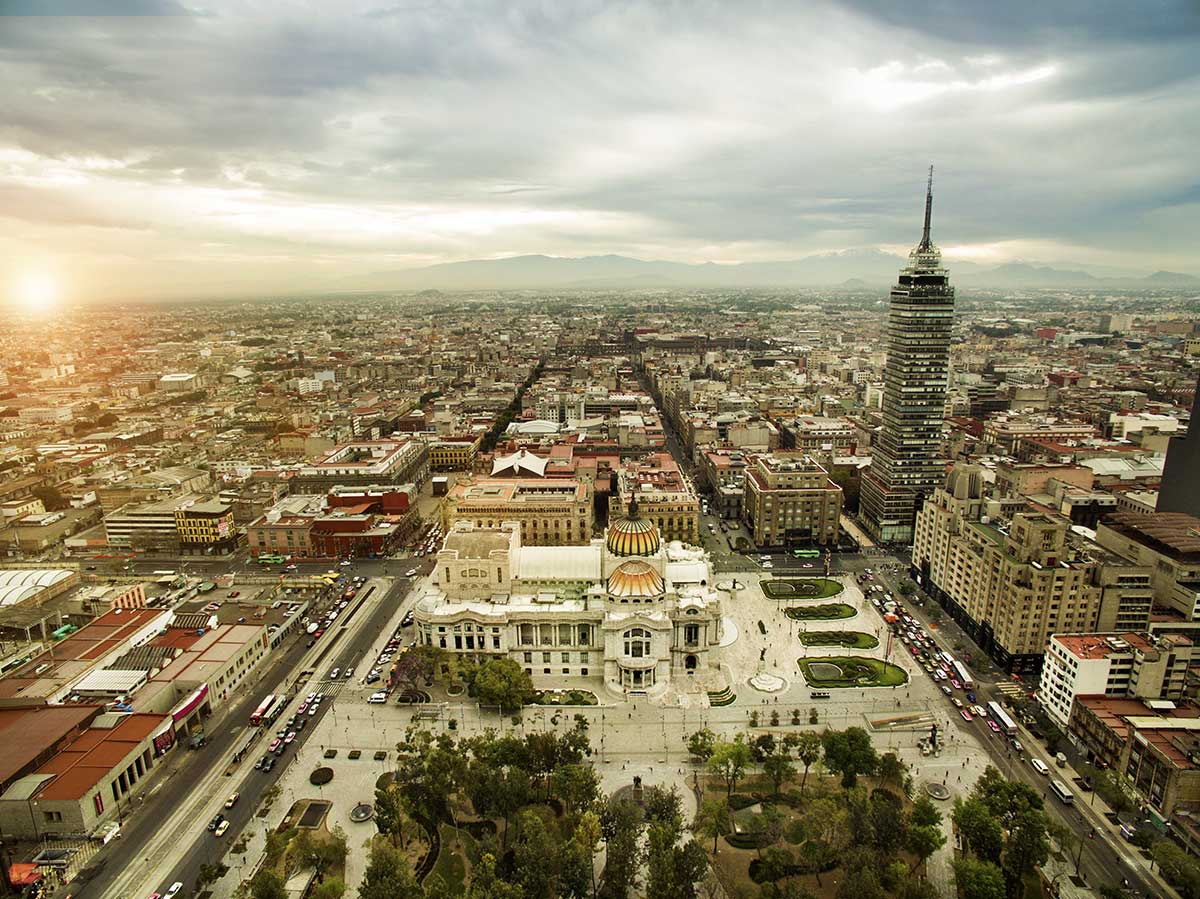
(643, 614)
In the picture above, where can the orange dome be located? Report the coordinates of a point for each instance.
(637, 579)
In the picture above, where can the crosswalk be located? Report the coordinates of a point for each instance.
(330, 688)
(1011, 690)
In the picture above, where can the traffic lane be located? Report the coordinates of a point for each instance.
(165, 797)
(207, 849)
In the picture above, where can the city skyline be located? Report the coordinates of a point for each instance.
(260, 149)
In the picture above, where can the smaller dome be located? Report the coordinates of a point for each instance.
(636, 578)
(633, 535)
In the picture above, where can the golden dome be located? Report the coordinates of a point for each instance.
(636, 578)
(632, 535)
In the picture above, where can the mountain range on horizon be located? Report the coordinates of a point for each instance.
(856, 269)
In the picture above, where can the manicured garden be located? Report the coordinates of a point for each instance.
(564, 697)
(848, 639)
(828, 611)
(801, 588)
(851, 671)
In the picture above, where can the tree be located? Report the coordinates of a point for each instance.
(622, 825)
(891, 769)
(50, 497)
(907, 588)
(713, 819)
(729, 761)
(417, 666)
(1179, 868)
(576, 785)
(850, 753)
(663, 806)
(808, 751)
(388, 876)
(778, 767)
(978, 879)
(923, 841)
(486, 884)
(536, 858)
(587, 836)
(925, 813)
(329, 889)
(267, 885)
(700, 744)
(389, 813)
(982, 833)
(502, 682)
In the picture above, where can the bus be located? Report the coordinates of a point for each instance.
(1008, 727)
(1059, 789)
(807, 553)
(256, 717)
(275, 709)
(271, 560)
(964, 676)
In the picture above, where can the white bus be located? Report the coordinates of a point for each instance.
(1059, 789)
(964, 676)
(1008, 727)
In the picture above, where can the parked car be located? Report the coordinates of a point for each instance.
(289, 738)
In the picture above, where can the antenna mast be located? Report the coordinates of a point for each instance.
(928, 209)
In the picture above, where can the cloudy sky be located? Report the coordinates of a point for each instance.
(238, 147)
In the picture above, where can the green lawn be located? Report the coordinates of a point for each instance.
(801, 588)
(848, 639)
(825, 612)
(856, 671)
(451, 862)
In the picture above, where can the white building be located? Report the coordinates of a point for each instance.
(1139, 666)
(629, 609)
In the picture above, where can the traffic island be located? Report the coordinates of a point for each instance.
(848, 639)
(850, 671)
(801, 588)
(829, 611)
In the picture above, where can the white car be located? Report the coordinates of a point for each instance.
(377, 698)
(767, 565)
(412, 572)
(175, 888)
(334, 673)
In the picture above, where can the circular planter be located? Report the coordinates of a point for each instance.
(320, 777)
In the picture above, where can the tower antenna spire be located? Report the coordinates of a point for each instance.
(928, 209)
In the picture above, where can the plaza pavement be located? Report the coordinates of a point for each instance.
(641, 737)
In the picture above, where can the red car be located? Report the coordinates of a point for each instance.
(965, 714)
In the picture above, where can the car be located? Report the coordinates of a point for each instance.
(232, 800)
(958, 703)
(979, 711)
(275, 744)
(407, 619)
(290, 737)
(377, 697)
(334, 673)
(956, 683)
(945, 689)
(234, 594)
(318, 633)
(313, 710)
(1040, 767)
(767, 565)
(1017, 747)
(215, 823)
(175, 888)
(411, 572)
(373, 677)
(301, 723)
(269, 765)
(310, 697)
(303, 708)
(993, 726)
(259, 764)
(966, 716)
(221, 828)
(346, 563)
(348, 673)
(291, 567)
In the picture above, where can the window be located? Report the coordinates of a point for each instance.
(545, 657)
(691, 634)
(583, 671)
(584, 635)
(637, 643)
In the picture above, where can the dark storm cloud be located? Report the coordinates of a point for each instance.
(749, 130)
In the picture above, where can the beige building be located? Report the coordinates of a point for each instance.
(1168, 544)
(1011, 583)
(664, 496)
(790, 499)
(550, 512)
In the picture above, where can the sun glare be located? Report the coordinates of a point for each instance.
(37, 293)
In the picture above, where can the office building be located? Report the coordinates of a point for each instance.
(791, 501)
(1142, 666)
(907, 464)
(550, 512)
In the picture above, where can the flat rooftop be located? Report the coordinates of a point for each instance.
(1173, 534)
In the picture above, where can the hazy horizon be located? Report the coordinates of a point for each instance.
(274, 147)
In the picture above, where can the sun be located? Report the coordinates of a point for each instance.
(36, 292)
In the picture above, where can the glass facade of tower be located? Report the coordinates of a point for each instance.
(907, 463)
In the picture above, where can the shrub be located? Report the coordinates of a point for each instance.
(320, 777)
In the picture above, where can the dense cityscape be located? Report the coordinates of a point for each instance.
(456, 452)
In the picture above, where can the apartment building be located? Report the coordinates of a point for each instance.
(1013, 582)
(664, 496)
(206, 527)
(1143, 666)
(1168, 544)
(789, 500)
(551, 512)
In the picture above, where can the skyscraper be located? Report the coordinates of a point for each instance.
(907, 464)
(1180, 488)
